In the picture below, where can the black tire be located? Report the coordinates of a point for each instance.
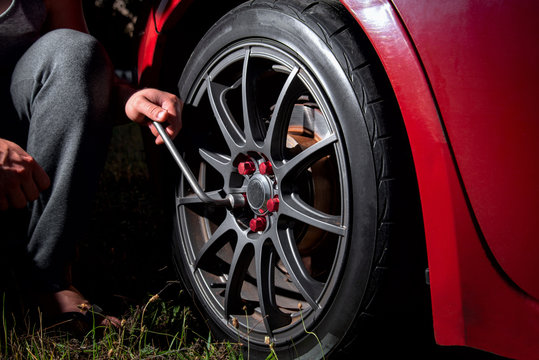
(335, 140)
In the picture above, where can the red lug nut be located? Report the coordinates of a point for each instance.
(258, 224)
(266, 168)
(273, 204)
(246, 168)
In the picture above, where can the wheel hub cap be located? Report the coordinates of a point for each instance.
(259, 191)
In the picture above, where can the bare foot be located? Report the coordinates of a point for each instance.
(71, 300)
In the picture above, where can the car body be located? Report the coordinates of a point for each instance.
(464, 74)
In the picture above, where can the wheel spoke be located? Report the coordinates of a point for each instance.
(243, 254)
(219, 162)
(293, 206)
(305, 158)
(232, 133)
(270, 137)
(265, 275)
(279, 119)
(252, 125)
(287, 250)
(192, 199)
(206, 256)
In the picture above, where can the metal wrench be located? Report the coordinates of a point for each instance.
(231, 200)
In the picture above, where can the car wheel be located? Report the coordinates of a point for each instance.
(286, 103)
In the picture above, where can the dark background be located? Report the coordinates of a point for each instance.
(125, 257)
(117, 24)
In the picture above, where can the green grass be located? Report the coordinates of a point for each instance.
(157, 330)
(123, 264)
(123, 260)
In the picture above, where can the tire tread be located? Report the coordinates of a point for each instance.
(335, 26)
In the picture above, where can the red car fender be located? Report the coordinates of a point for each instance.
(148, 60)
(472, 302)
(444, 211)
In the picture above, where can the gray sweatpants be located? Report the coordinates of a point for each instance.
(60, 91)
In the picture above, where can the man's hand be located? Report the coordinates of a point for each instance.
(21, 177)
(158, 106)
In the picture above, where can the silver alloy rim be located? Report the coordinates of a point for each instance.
(269, 269)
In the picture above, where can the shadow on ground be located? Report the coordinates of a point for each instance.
(125, 258)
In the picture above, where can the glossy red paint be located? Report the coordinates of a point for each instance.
(474, 304)
(165, 13)
(483, 69)
(449, 77)
(437, 178)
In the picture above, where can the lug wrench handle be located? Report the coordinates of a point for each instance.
(231, 200)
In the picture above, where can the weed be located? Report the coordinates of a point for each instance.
(300, 307)
(4, 324)
(127, 216)
(158, 330)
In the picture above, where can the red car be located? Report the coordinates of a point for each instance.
(383, 149)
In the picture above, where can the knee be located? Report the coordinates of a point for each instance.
(64, 64)
(65, 55)
(73, 53)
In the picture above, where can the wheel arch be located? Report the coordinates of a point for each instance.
(445, 214)
(183, 21)
(468, 291)
(444, 210)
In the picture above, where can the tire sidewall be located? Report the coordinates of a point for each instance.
(296, 37)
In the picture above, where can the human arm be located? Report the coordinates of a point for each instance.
(21, 177)
(140, 106)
